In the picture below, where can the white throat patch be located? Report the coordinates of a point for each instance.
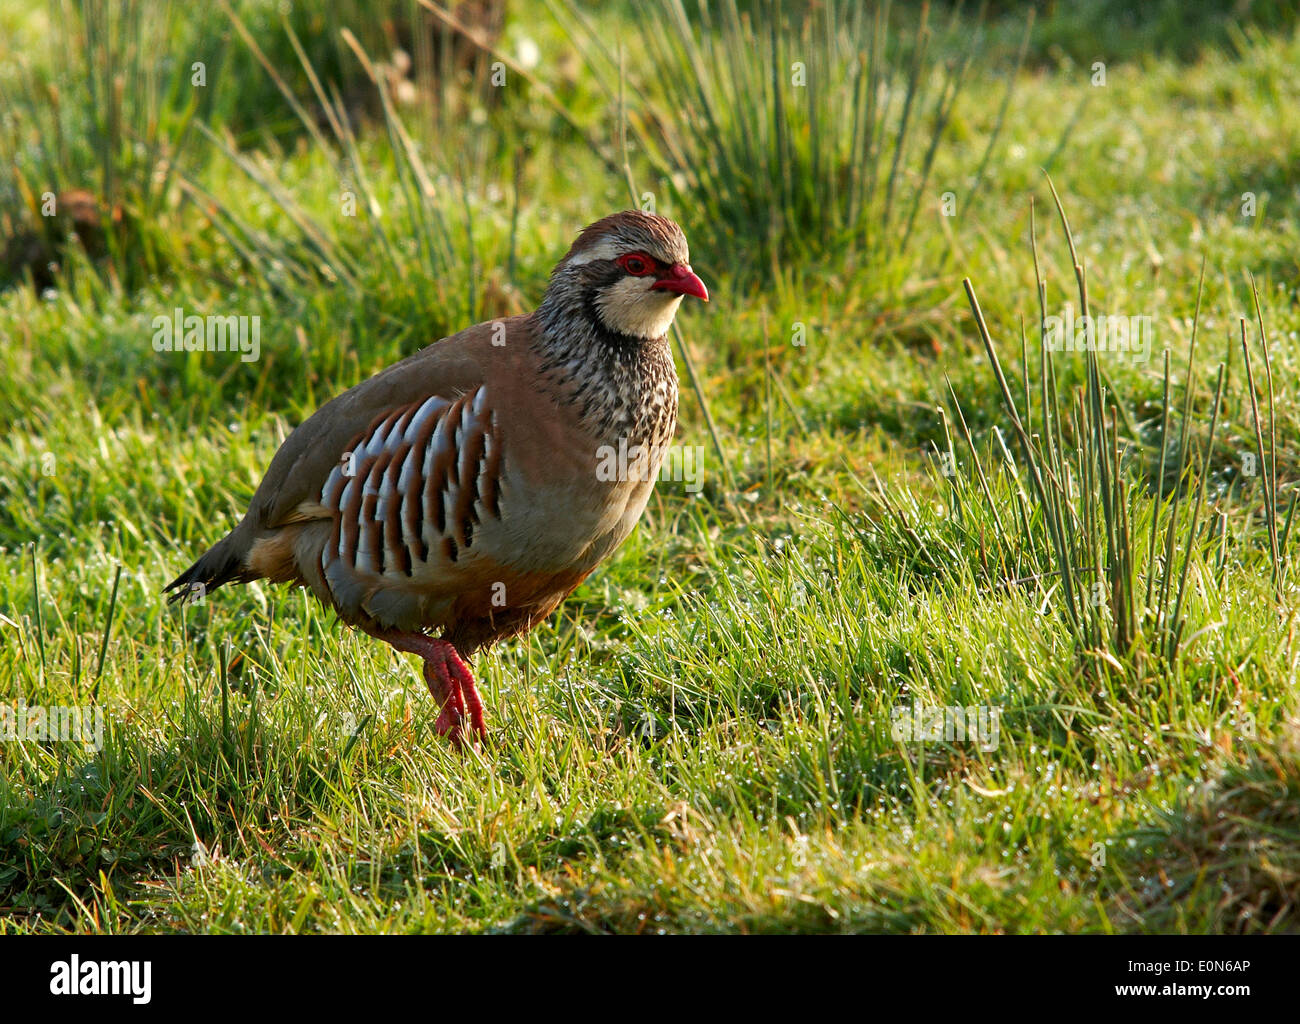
(629, 306)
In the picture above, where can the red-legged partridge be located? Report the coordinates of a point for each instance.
(454, 499)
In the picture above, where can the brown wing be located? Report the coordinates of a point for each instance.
(289, 494)
(301, 466)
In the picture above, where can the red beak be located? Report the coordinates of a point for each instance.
(682, 280)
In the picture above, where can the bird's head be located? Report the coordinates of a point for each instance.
(628, 272)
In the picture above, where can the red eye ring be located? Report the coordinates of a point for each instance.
(636, 263)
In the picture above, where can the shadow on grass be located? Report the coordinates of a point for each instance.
(1227, 859)
(133, 814)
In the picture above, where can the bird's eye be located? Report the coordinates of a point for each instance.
(635, 264)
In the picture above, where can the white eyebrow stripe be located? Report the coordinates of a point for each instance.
(606, 250)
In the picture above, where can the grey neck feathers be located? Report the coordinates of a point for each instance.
(622, 386)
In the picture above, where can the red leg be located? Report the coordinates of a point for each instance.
(450, 681)
(467, 691)
(448, 692)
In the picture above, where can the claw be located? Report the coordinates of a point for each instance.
(450, 682)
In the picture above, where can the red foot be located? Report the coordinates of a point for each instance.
(452, 685)
(450, 681)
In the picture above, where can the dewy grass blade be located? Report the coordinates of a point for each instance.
(108, 629)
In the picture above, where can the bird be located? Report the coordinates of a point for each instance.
(454, 499)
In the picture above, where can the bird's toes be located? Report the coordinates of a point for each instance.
(449, 724)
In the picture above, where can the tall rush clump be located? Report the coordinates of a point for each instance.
(1087, 501)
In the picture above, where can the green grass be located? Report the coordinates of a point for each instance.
(700, 739)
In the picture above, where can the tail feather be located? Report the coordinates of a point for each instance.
(220, 564)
